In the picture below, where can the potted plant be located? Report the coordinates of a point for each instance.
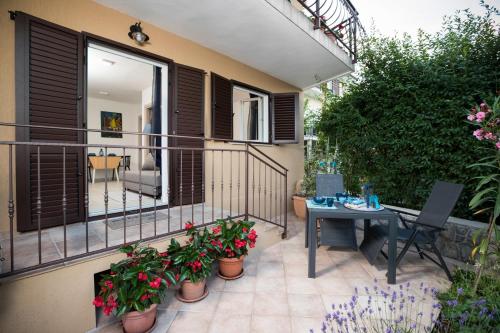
(193, 263)
(299, 200)
(134, 287)
(231, 240)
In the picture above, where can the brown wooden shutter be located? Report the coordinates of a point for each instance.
(285, 115)
(48, 93)
(222, 107)
(187, 120)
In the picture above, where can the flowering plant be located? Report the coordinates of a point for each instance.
(487, 197)
(194, 260)
(231, 239)
(393, 310)
(135, 283)
(466, 310)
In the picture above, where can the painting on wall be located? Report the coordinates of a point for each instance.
(111, 121)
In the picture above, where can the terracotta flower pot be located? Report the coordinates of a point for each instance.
(191, 291)
(299, 206)
(139, 322)
(231, 267)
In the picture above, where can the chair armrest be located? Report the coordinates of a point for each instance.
(426, 225)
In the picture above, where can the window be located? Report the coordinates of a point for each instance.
(243, 113)
(250, 115)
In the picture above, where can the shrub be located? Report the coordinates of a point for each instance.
(401, 124)
(194, 260)
(465, 311)
(136, 282)
(232, 239)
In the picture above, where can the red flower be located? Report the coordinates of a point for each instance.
(216, 230)
(229, 252)
(108, 284)
(144, 297)
(252, 236)
(203, 254)
(111, 302)
(166, 262)
(129, 254)
(98, 301)
(189, 225)
(177, 277)
(239, 243)
(142, 276)
(155, 284)
(244, 229)
(163, 254)
(108, 310)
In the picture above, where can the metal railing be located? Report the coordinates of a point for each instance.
(237, 182)
(338, 19)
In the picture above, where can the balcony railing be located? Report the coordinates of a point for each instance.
(338, 19)
(237, 182)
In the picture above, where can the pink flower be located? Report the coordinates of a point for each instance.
(155, 284)
(490, 136)
(471, 117)
(479, 134)
(498, 145)
(480, 116)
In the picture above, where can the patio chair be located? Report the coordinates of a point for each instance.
(334, 232)
(422, 232)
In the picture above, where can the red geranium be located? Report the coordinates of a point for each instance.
(189, 226)
(98, 301)
(156, 283)
(142, 276)
(108, 284)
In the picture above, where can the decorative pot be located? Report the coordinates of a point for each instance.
(299, 206)
(139, 322)
(191, 291)
(231, 267)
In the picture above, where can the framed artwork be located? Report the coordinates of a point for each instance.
(111, 121)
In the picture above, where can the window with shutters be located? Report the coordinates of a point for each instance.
(250, 115)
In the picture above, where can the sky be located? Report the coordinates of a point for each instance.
(398, 16)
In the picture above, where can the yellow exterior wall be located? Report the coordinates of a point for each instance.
(60, 300)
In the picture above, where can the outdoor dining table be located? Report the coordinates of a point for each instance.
(338, 211)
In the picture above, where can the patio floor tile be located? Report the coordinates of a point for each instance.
(271, 324)
(236, 303)
(306, 305)
(187, 322)
(270, 304)
(223, 323)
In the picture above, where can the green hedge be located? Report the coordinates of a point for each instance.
(402, 123)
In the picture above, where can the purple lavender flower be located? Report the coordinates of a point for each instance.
(460, 291)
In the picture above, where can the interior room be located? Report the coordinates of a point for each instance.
(120, 99)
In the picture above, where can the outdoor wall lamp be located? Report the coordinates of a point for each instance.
(136, 34)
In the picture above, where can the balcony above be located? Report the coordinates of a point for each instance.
(302, 43)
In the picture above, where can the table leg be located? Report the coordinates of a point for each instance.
(116, 173)
(366, 229)
(93, 175)
(392, 253)
(311, 223)
(307, 227)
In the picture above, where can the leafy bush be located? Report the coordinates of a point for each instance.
(465, 311)
(135, 283)
(231, 239)
(193, 261)
(401, 125)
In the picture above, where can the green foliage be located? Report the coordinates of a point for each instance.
(401, 125)
(136, 282)
(464, 310)
(233, 238)
(194, 260)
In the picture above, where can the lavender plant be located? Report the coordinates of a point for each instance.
(380, 310)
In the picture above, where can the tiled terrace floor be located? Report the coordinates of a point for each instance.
(275, 294)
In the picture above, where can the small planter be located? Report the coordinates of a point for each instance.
(231, 268)
(139, 322)
(299, 206)
(192, 292)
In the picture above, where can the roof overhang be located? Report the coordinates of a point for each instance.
(272, 36)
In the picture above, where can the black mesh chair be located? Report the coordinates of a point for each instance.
(335, 232)
(422, 232)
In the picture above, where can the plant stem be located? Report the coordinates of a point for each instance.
(481, 266)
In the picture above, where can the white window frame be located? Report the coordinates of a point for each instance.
(263, 116)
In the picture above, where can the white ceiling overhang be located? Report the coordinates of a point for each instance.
(269, 35)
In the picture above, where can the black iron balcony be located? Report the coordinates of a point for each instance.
(338, 19)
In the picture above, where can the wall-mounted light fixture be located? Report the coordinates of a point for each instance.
(136, 34)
